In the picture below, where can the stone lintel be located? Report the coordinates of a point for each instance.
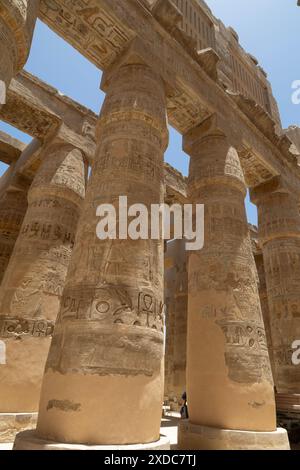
(195, 95)
(10, 148)
(41, 111)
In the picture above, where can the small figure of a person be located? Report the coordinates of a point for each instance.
(184, 409)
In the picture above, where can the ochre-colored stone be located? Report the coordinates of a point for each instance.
(229, 380)
(33, 283)
(106, 360)
(193, 436)
(176, 299)
(279, 232)
(17, 21)
(104, 376)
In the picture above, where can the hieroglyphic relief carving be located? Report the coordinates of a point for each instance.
(13, 206)
(36, 123)
(108, 303)
(33, 283)
(176, 298)
(101, 37)
(11, 326)
(111, 320)
(112, 305)
(224, 305)
(279, 232)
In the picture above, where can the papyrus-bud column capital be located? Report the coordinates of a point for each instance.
(17, 21)
(229, 380)
(104, 376)
(279, 233)
(33, 283)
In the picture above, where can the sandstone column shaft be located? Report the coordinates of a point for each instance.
(104, 375)
(176, 295)
(33, 283)
(229, 382)
(279, 232)
(17, 21)
(263, 295)
(13, 206)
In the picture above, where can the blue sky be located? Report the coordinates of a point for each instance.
(269, 29)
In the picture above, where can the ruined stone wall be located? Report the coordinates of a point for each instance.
(293, 132)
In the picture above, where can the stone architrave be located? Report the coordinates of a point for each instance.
(103, 383)
(17, 21)
(229, 379)
(33, 283)
(279, 233)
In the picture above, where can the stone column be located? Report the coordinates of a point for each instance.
(13, 207)
(32, 286)
(263, 295)
(279, 232)
(176, 322)
(103, 383)
(170, 326)
(229, 382)
(17, 21)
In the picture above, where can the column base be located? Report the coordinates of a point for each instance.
(28, 440)
(13, 423)
(196, 437)
(288, 416)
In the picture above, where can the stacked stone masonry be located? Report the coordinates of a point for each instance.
(232, 307)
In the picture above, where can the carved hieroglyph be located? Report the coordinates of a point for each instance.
(264, 303)
(32, 286)
(13, 206)
(176, 298)
(17, 21)
(229, 381)
(279, 232)
(104, 375)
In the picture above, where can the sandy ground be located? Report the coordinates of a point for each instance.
(168, 428)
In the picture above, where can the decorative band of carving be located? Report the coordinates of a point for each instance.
(14, 326)
(129, 116)
(240, 334)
